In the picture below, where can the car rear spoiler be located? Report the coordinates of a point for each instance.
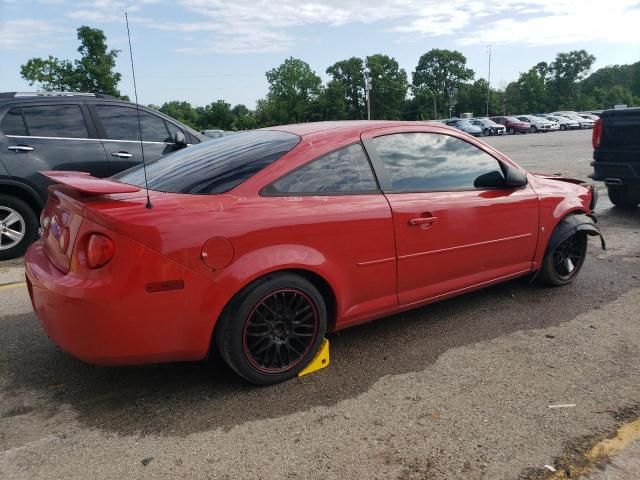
(88, 185)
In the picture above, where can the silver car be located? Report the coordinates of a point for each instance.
(564, 122)
(583, 122)
(538, 124)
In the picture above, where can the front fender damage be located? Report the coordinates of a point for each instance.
(572, 224)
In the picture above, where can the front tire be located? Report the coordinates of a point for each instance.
(561, 265)
(563, 127)
(623, 196)
(511, 131)
(18, 227)
(533, 129)
(272, 329)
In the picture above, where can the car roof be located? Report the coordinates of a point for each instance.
(346, 126)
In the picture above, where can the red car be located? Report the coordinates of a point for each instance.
(257, 244)
(513, 125)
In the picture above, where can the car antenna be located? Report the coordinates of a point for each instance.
(135, 92)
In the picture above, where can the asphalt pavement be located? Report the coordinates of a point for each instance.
(516, 381)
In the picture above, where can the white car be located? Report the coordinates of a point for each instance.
(538, 124)
(583, 122)
(564, 122)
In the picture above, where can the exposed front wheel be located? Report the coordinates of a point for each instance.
(511, 131)
(561, 265)
(272, 329)
(563, 127)
(623, 196)
(533, 129)
(18, 227)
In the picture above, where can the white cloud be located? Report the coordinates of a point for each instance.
(235, 26)
(25, 33)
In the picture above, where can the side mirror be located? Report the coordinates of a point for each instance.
(515, 177)
(493, 179)
(179, 139)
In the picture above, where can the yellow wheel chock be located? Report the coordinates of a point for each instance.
(319, 361)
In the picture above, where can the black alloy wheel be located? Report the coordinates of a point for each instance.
(561, 265)
(280, 330)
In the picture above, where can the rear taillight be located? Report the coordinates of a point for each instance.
(99, 250)
(596, 138)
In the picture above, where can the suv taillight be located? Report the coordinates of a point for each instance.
(99, 250)
(596, 139)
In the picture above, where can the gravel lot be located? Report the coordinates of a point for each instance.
(455, 390)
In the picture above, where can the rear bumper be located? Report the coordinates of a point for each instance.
(617, 173)
(106, 317)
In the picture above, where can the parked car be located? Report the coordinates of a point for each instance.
(564, 122)
(589, 116)
(466, 126)
(512, 124)
(97, 134)
(583, 122)
(362, 220)
(213, 133)
(538, 124)
(489, 127)
(616, 155)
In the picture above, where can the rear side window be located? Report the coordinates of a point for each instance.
(55, 121)
(418, 162)
(344, 171)
(121, 123)
(13, 123)
(215, 166)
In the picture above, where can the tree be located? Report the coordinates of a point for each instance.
(436, 72)
(244, 119)
(533, 89)
(181, 111)
(565, 72)
(293, 87)
(217, 115)
(388, 87)
(350, 75)
(93, 72)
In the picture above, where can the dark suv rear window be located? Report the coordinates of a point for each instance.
(215, 166)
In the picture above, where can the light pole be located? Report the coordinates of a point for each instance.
(489, 79)
(367, 80)
(453, 91)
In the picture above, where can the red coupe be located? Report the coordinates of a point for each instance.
(257, 244)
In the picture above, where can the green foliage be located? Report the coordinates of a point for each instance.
(349, 74)
(436, 72)
(388, 87)
(293, 87)
(93, 72)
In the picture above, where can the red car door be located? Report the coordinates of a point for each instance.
(451, 233)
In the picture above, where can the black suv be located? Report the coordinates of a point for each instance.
(616, 155)
(70, 131)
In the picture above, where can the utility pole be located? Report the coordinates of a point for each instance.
(489, 79)
(367, 80)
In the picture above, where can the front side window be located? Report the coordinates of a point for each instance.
(55, 121)
(121, 123)
(344, 171)
(213, 167)
(418, 162)
(13, 123)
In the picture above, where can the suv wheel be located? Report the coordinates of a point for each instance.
(623, 196)
(18, 227)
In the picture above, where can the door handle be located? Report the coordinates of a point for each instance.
(422, 221)
(121, 154)
(20, 148)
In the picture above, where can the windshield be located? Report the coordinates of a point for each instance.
(215, 166)
(512, 119)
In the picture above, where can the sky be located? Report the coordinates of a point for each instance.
(205, 50)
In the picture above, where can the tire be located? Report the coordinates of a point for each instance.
(18, 227)
(563, 127)
(511, 131)
(273, 351)
(623, 196)
(556, 270)
(533, 129)
(487, 132)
